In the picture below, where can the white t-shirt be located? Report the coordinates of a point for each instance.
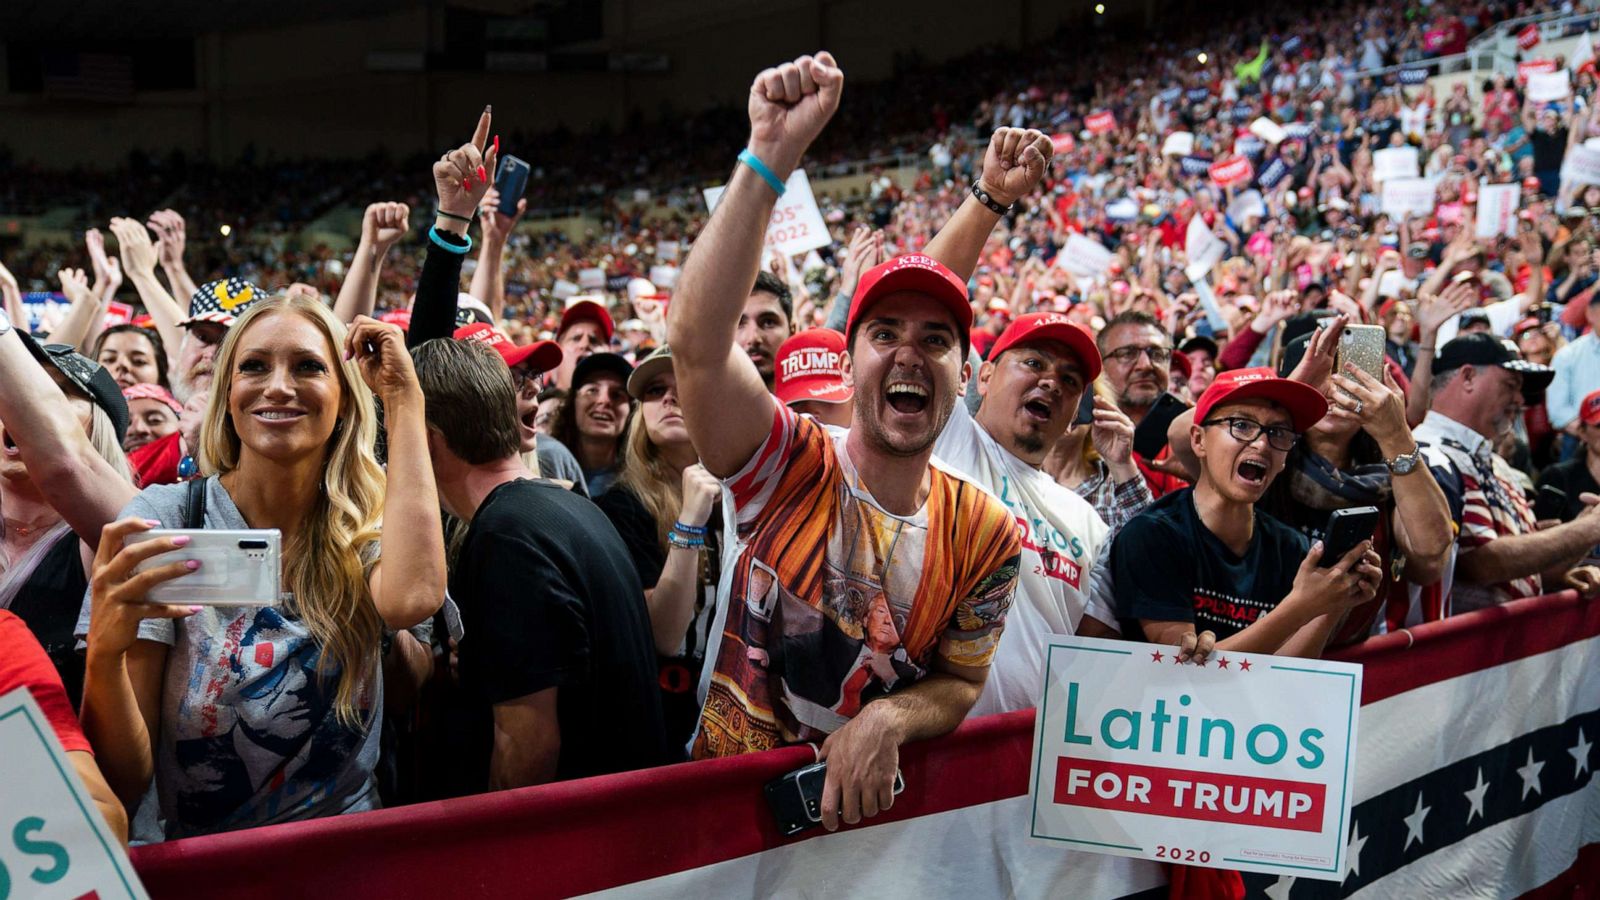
(1061, 534)
(1503, 316)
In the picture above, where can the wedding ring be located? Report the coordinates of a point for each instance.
(1357, 410)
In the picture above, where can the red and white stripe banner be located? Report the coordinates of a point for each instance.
(1474, 777)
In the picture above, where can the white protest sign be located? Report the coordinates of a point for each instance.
(665, 277)
(1544, 87)
(53, 842)
(564, 289)
(1247, 204)
(1582, 166)
(1208, 302)
(1203, 249)
(796, 225)
(1394, 162)
(1084, 257)
(1582, 52)
(592, 278)
(1268, 130)
(1246, 763)
(1405, 196)
(1497, 210)
(667, 251)
(1178, 143)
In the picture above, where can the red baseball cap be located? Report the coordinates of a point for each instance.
(809, 367)
(397, 317)
(920, 274)
(1049, 326)
(1182, 364)
(541, 356)
(1589, 409)
(580, 310)
(1305, 403)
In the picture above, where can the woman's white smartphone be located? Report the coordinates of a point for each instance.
(237, 568)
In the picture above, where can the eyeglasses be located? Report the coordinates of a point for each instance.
(1127, 356)
(1247, 430)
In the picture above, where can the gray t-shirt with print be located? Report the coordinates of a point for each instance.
(249, 734)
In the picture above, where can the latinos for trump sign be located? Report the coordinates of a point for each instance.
(53, 842)
(1243, 763)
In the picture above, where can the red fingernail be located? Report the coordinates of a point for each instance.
(466, 184)
(497, 145)
(482, 175)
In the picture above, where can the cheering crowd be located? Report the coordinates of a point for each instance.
(530, 537)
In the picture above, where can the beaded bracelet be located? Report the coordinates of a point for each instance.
(681, 528)
(685, 543)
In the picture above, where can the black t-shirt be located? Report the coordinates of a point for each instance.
(549, 599)
(679, 674)
(49, 603)
(1168, 567)
(1549, 147)
(1573, 477)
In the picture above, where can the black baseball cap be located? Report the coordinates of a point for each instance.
(1201, 342)
(87, 376)
(597, 364)
(1482, 349)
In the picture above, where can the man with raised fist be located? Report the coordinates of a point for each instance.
(871, 588)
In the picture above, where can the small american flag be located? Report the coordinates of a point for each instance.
(91, 77)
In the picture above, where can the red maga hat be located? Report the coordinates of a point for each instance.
(541, 356)
(919, 274)
(1049, 326)
(1305, 404)
(810, 367)
(591, 311)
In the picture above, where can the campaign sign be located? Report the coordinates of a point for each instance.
(1534, 67)
(1273, 173)
(796, 225)
(1497, 210)
(1101, 122)
(1062, 143)
(53, 842)
(1194, 165)
(1234, 171)
(1245, 763)
(1582, 166)
(1413, 76)
(1528, 38)
(1198, 95)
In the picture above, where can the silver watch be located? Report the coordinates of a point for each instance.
(1405, 463)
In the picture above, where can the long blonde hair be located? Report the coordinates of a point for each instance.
(648, 474)
(323, 562)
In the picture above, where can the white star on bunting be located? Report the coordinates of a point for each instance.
(1475, 797)
(1279, 890)
(1352, 853)
(1580, 754)
(1414, 823)
(1530, 775)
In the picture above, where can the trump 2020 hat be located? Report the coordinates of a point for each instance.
(1049, 326)
(810, 366)
(1304, 403)
(222, 301)
(541, 356)
(919, 274)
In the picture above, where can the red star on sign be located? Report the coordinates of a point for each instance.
(1244, 665)
(1156, 656)
(1222, 662)
(1177, 660)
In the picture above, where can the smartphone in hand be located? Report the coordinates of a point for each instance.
(512, 182)
(237, 568)
(1347, 528)
(1150, 437)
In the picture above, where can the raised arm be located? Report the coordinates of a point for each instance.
(139, 264)
(489, 279)
(408, 583)
(11, 295)
(1012, 166)
(84, 304)
(72, 476)
(460, 179)
(170, 226)
(381, 226)
(725, 403)
(107, 279)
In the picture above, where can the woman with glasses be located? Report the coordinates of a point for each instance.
(1363, 454)
(1204, 559)
(662, 506)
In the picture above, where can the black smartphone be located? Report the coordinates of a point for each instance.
(1550, 504)
(1085, 407)
(512, 182)
(1150, 437)
(796, 797)
(1347, 528)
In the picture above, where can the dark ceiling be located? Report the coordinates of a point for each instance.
(100, 20)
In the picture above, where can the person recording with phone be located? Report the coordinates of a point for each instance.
(284, 725)
(1226, 567)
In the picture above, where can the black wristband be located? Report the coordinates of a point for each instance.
(448, 215)
(986, 200)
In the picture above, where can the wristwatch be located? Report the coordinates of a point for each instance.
(1405, 463)
(5, 323)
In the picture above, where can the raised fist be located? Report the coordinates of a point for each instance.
(789, 105)
(1015, 161)
(384, 223)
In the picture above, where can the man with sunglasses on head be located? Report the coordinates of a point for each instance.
(1137, 353)
(1204, 559)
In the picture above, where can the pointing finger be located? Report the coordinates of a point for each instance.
(480, 137)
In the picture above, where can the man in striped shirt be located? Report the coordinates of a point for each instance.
(1479, 387)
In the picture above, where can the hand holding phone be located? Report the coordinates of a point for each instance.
(796, 797)
(1347, 528)
(1150, 437)
(237, 567)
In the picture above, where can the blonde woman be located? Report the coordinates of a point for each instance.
(661, 505)
(250, 716)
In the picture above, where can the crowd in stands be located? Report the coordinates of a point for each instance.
(536, 528)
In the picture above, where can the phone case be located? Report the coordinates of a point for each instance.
(796, 797)
(1362, 345)
(1347, 528)
(512, 182)
(237, 568)
(1150, 437)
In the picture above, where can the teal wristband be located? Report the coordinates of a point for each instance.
(433, 235)
(760, 168)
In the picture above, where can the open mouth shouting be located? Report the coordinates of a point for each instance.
(906, 398)
(1039, 408)
(1252, 471)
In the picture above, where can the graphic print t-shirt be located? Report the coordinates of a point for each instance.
(835, 602)
(1168, 567)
